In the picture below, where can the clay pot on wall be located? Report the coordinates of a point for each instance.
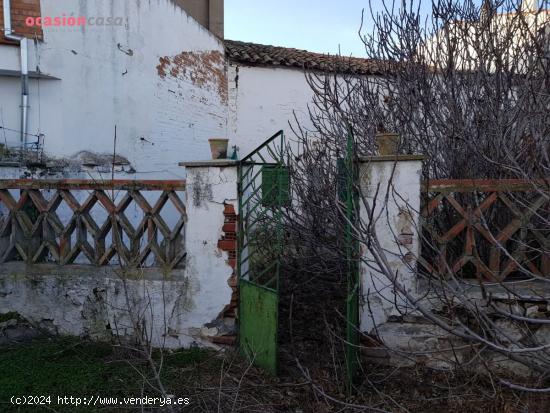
(387, 143)
(218, 148)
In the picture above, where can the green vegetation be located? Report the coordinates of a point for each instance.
(186, 358)
(71, 367)
(12, 315)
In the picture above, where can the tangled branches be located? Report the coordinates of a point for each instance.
(469, 88)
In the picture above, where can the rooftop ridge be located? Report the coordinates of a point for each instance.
(267, 55)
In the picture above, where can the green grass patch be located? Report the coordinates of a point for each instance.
(71, 367)
(12, 315)
(186, 358)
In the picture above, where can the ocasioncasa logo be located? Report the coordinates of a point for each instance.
(71, 21)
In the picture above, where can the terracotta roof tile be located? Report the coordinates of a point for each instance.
(264, 55)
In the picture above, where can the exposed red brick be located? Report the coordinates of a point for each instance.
(161, 68)
(405, 239)
(20, 10)
(229, 209)
(229, 227)
(203, 69)
(227, 244)
(229, 312)
(232, 282)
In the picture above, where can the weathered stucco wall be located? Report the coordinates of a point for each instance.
(262, 101)
(97, 303)
(393, 187)
(159, 77)
(400, 335)
(210, 189)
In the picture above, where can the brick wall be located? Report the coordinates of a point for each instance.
(20, 10)
(228, 243)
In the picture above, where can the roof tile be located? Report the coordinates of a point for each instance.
(265, 55)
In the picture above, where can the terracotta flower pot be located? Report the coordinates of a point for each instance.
(387, 143)
(218, 148)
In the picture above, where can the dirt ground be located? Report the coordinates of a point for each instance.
(232, 385)
(311, 371)
(222, 381)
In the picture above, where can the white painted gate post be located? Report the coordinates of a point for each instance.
(211, 244)
(392, 184)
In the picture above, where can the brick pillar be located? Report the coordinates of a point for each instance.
(396, 221)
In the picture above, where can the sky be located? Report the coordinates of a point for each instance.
(315, 25)
(321, 26)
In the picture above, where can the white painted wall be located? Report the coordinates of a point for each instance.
(396, 223)
(94, 303)
(160, 120)
(262, 101)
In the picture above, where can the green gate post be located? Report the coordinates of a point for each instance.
(352, 300)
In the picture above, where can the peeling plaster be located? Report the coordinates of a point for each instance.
(201, 190)
(204, 70)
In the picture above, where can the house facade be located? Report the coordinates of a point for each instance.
(269, 88)
(159, 72)
(148, 68)
(127, 89)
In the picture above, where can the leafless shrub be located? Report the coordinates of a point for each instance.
(468, 87)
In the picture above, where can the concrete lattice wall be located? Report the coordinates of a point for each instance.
(194, 303)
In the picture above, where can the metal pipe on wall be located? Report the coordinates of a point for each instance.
(24, 55)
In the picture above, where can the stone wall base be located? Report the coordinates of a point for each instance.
(97, 304)
(417, 342)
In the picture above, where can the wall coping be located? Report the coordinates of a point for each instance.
(41, 270)
(209, 162)
(9, 164)
(392, 158)
(232, 162)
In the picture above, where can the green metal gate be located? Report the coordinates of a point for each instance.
(263, 192)
(350, 200)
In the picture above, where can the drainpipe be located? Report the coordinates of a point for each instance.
(23, 48)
